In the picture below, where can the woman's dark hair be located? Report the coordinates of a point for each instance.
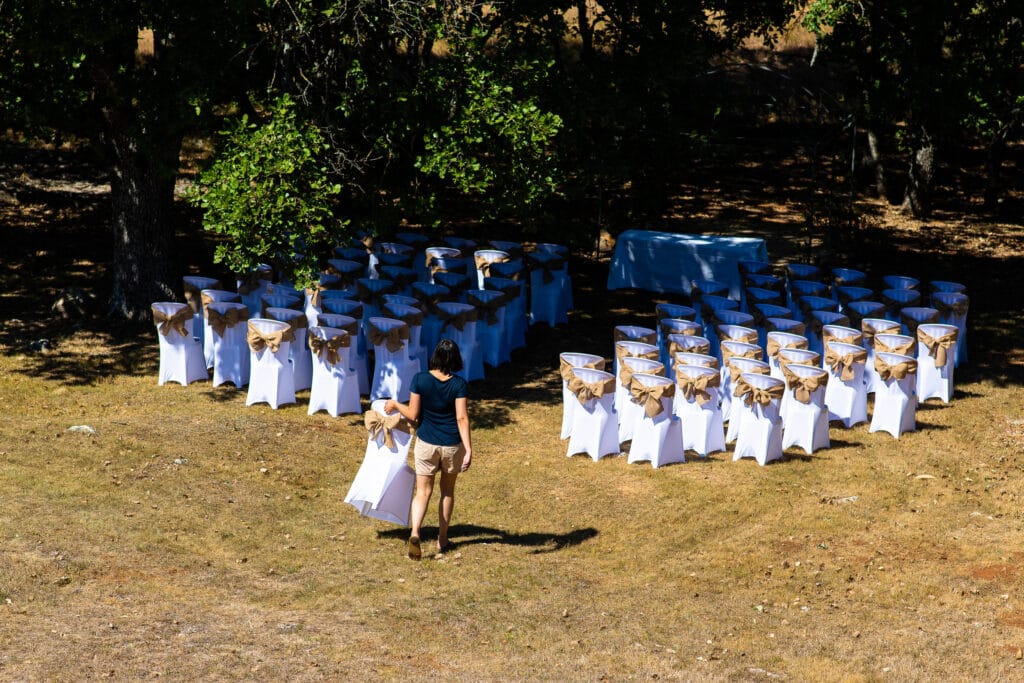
(446, 357)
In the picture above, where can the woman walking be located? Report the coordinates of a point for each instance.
(438, 401)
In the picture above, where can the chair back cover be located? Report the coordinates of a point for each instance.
(846, 393)
(699, 359)
(936, 359)
(841, 333)
(765, 281)
(901, 282)
(803, 271)
(402, 300)
(912, 316)
(678, 311)
(845, 277)
(895, 299)
(804, 417)
(750, 266)
(383, 486)
(634, 333)
(947, 286)
(788, 325)
(193, 285)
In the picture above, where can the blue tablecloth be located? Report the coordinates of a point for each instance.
(668, 262)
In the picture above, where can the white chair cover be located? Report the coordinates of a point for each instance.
(763, 313)
(697, 408)
(709, 305)
(208, 296)
(482, 259)
(193, 285)
(593, 430)
(433, 258)
(230, 350)
(466, 246)
(816, 321)
(550, 288)
(847, 277)
(952, 308)
(371, 295)
(670, 326)
(936, 358)
(782, 340)
(633, 349)
(455, 314)
(515, 309)
(657, 437)
(846, 395)
(252, 288)
(733, 349)
(913, 316)
(633, 333)
(800, 357)
(848, 294)
(760, 428)
(359, 357)
(393, 370)
(271, 379)
(798, 289)
(896, 299)
(566, 362)
(298, 352)
(566, 301)
(678, 311)
(383, 486)
(335, 385)
(280, 300)
(803, 271)
(357, 366)
(402, 299)
(491, 333)
(457, 283)
(805, 424)
(901, 282)
(737, 325)
(870, 327)
(842, 333)
(429, 295)
(401, 276)
(739, 366)
(628, 412)
(703, 360)
(947, 286)
(181, 355)
(895, 397)
(413, 317)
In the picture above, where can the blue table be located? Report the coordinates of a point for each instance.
(668, 262)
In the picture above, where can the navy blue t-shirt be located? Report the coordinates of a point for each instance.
(437, 408)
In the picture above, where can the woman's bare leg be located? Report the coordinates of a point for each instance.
(424, 488)
(444, 507)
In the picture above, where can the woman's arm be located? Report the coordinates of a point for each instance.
(462, 419)
(410, 412)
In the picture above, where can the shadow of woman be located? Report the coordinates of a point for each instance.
(471, 534)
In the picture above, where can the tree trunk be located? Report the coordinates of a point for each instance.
(993, 168)
(586, 32)
(142, 203)
(917, 199)
(875, 161)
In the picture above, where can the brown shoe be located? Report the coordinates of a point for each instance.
(413, 548)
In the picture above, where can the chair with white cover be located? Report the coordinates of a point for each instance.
(765, 281)
(434, 260)
(816, 322)
(674, 311)
(227, 325)
(402, 278)
(688, 343)
(842, 333)
(359, 356)
(482, 259)
(760, 427)
(181, 354)
(847, 277)
(947, 286)
(857, 311)
(803, 271)
(457, 283)
(763, 313)
(897, 299)
(384, 484)
(702, 360)
(699, 288)
(781, 340)
(459, 325)
(805, 423)
(670, 326)
(279, 300)
(566, 362)
(335, 386)
(430, 295)
(593, 430)
(396, 248)
(901, 282)
(358, 254)
(490, 325)
(463, 244)
(870, 327)
(895, 397)
(548, 284)
(893, 342)
(710, 306)
(798, 289)
(698, 390)
(734, 349)
(633, 333)
(847, 294)
(759, 295)
(730, 322)
(328, 282)
(657, 437)
(271, 379)
(846, 395)
(193, 285)
(788, 356)
(753, 266)
(359, 367)
(252, 286)
(370, 293)
(936, 358)
(952, 308)
(565, 295)
(515, 310)
(393, 370)
(207, 297)
(737, 367)
(403, 299)
(298, 353)
(413, 317)
(628, 412)
(347, 272)
(913, 316)
(631, 349)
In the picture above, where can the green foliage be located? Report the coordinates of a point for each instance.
(268, 195)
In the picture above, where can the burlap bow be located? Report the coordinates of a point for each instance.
(352, 328)
(692, 329)
(842, 364)
(912, 323)
(751, 394)
(259, 341)
(622, 352)
(728, 355)
(327, 349)
(626, 373)
(565, 369)
(175, 321)
(483, 264)
(897, 371)
(458, 320)
(218, 322)
(299, 322)
(373, 297)
(826, 337)
(647, 337)
(803, 387)
(735, 371)
(798, 329)
(194, 295)
(870, 331)
(773, 346)
(748, 337)
(697, 387)
(958, 307)
(584, 391)
(489, 308)
(430, 301)
(650, 396)
(207, 300)
(674, 347)
(548, 267)
(905, 349)
(394, 338)
(938, 347)
(412, 319)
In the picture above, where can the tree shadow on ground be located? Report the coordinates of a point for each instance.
(472, 534)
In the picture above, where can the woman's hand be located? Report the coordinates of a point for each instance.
(390, 405)
(467, 459)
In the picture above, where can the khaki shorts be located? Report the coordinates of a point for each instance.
(430, 458)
